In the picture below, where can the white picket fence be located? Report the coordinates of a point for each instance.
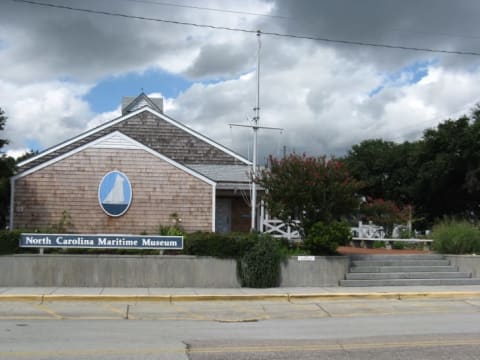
(363, 235)
(277, 228)
(368, 231)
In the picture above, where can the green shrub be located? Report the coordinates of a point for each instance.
(232, 246)
(324, 239)
(258, 255)
(399, 245)
(170, 231)
(260, 266)
(456, 237)
(9, 241)
(378, 244)
(175, 229)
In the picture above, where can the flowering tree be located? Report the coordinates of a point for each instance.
(309, 189)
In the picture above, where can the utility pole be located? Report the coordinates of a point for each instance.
(255, 127)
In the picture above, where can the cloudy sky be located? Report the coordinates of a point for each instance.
(64, 71)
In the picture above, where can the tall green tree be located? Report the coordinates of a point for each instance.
(448, 175)
(439, 174)
(7, 167)
(309, 189)
(386, 169)
(3, 120)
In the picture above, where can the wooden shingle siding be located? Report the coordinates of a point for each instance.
(159, 189)
(157, 134)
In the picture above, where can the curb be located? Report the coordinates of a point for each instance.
(243, 297)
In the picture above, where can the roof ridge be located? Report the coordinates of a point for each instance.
(127, 116)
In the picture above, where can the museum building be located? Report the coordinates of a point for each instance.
(132, 175)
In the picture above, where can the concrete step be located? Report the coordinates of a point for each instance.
(401, 257)
(410, 282)
(401, 262)
(397, 269)
(414, 275)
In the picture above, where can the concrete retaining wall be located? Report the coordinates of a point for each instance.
(117, 271)
(466, 263)
(323, 271)
(155, 271)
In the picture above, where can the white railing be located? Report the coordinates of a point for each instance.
(277, 228)
(365, 234)
(368, 231)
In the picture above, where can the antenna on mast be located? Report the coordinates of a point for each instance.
(256, 127)
(256, 119)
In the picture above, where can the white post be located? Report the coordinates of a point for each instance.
(256, 119)
(262, 215)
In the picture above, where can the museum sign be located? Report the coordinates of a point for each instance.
(100, 241)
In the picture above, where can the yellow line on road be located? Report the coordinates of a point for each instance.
(398, 313)
(122, 312)
(240, 349)
(89, 353)
(49, 311)
(192, 316)
(21, 317)
(337, 346)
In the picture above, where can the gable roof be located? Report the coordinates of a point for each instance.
(224, 173)
(111, 141)
(227, 177)
(154, 130)
(130, 104)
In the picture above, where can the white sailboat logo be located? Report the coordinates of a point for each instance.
(116, 194)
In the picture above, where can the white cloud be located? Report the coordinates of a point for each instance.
(16, 153)
(322, 94)
(104, 117)
(46, 113)
(324, 106)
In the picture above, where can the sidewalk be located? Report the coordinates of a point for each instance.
(235, 294)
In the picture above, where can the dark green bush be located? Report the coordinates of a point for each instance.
(9, 241)
(398, 245)
(260, 266)
(170, 231)
(324, 239)
(456, 237)
(378, 244)
(232, 246)
(258, 255)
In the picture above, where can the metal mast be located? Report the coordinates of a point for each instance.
(255, 127)
(256, 120)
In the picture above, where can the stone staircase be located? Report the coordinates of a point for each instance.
(404, 270)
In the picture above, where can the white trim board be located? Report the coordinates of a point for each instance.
(128, 116)
(214, 206)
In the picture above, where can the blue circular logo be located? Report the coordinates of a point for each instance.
(115, 193)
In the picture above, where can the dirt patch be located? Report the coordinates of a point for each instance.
(348, 250)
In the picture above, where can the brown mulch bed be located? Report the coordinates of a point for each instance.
(348, 250)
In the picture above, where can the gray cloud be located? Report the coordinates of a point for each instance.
(45, 42)
(326, 96)
(220, 59)
(437, 24)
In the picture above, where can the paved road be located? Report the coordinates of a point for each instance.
(355, 329)
(431, 347)
(230, 311)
